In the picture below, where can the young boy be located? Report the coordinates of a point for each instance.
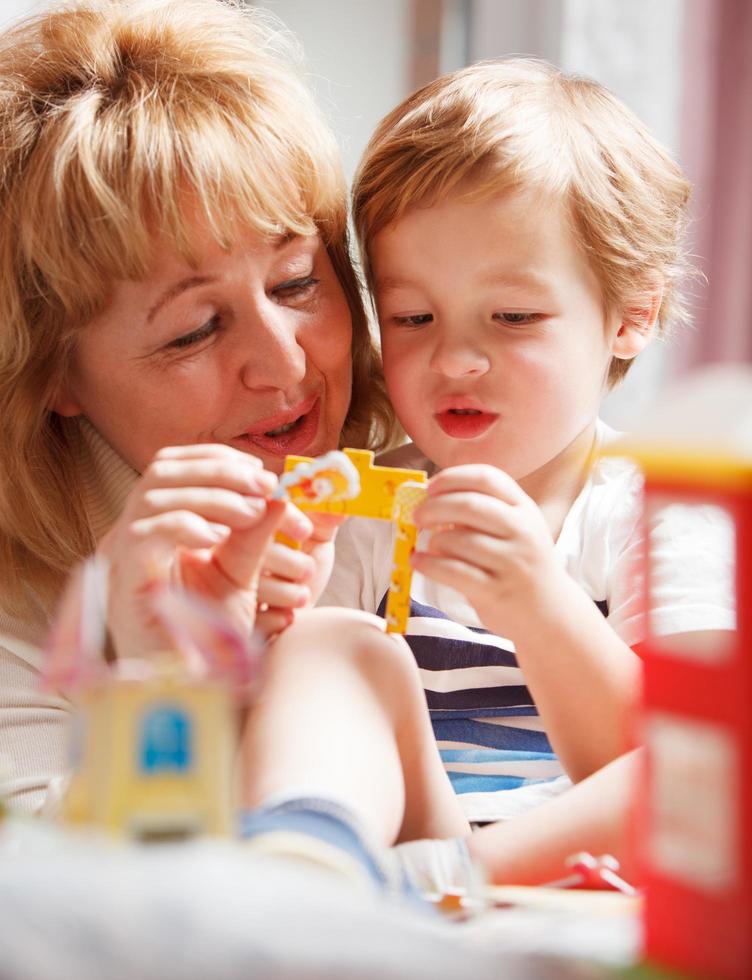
(521, 233)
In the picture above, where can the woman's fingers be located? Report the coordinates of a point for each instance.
(183, 529)
(211, 503)
(288, 563)
(240, 556)
(270, 621)
(278, 593)
(237, 471)
(294, 523)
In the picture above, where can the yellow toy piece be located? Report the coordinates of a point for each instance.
(153, 757)
(386, 493)
(406, 499)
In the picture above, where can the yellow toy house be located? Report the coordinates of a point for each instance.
(152, 742)
(153, 756)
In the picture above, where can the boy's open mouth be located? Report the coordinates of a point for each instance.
(465, 423)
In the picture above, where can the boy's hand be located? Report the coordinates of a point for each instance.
(294, 579)
(489, 541)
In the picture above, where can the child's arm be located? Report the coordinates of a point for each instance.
(491, 542)
(532, 849)
(591, 816)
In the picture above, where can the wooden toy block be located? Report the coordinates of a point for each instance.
(385, 493)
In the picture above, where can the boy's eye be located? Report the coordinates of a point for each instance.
(295, 288)
(415, 320)
(196, 336)
(515, 319)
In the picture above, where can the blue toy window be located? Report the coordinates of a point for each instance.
(166, 740)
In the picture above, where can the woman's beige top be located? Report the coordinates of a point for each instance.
(33, 722)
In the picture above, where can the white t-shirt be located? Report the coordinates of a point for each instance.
(488, 730)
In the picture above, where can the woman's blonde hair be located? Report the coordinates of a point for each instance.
(520, 122)
(112, 112)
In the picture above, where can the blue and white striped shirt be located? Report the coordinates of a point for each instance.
(489, 733)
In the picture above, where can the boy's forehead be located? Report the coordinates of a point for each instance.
(520, 240)
(526, 215)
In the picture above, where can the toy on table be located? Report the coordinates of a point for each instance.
(152, 743)
(693, 824)
(594, 873)
(328, 485)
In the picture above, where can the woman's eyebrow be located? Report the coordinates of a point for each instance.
(190, 282)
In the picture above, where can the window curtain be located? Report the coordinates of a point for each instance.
(717, 153)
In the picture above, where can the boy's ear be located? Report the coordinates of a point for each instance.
(636, 328)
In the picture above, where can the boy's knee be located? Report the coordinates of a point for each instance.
(347, 634)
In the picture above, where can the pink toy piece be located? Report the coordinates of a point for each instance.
(595, 873)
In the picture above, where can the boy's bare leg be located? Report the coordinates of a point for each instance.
(591, 816)
(342, 714)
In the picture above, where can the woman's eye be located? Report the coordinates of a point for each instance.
(415, 320)
(295, 288)
(515, 319)
(196, 336)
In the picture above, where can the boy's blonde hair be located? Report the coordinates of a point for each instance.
(118, 118)
(520, 122)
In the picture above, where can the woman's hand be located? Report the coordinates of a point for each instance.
(294, 579)
(489, 541)
(199, 516)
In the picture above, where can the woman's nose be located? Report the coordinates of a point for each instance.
(459, 357)
(273, 354)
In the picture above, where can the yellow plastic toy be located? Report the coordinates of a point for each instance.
(152, 741)
(328, 485)
(153, 757)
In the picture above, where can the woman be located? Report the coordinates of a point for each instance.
(178, 308)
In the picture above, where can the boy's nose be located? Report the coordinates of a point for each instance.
(459, 359)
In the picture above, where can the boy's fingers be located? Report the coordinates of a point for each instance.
(488, 554)
(450, 571)
(468, 509)
(478, 477)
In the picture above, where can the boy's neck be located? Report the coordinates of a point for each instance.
(557, 484)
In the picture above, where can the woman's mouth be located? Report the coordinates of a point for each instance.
(465, 423)
(295, 435)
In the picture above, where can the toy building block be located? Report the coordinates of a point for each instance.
(328, 485)
(693, 812)
(152, 742)
(153, 758)
(406, 499)
(378, 485)
(332, 479)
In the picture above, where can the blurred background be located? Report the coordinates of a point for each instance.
(684, 66)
